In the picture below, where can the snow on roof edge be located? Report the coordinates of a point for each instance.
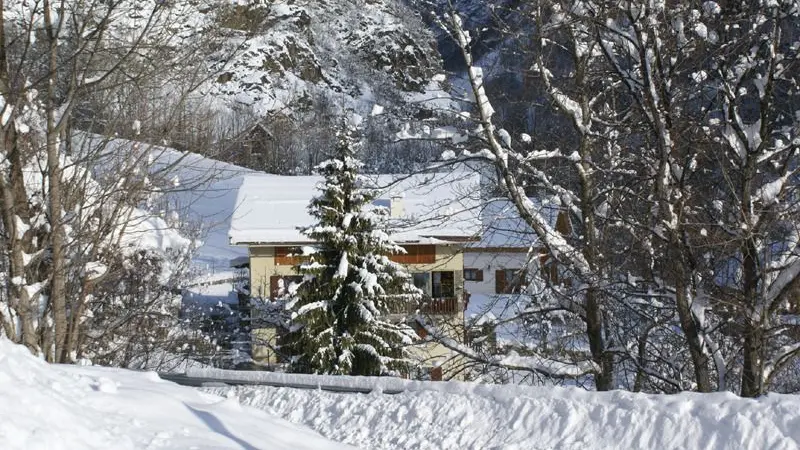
(440, 206)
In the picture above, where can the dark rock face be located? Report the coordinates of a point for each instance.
(325, 48)
(501, 31)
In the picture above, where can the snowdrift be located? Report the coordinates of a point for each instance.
(68, 407)
(453, 415)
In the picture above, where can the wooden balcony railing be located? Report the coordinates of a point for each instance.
(438, 306)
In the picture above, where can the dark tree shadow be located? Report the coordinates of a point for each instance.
(215, 424)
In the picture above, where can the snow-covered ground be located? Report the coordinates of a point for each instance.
(72, 407)
(75, 408)
(454, 415)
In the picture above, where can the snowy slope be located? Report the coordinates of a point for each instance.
(456, 415)
(208, 200)
(201, 191)
(70, 407)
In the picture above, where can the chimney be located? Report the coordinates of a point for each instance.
(396, 206)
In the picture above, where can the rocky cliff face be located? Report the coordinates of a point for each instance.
(290, 56)
(264, 83)
(288, 69)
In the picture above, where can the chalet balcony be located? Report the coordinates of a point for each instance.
(434, 306)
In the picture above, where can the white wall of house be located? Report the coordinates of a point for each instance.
(490, 262)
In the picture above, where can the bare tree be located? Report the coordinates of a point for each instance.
(65, 229)
(679, 175)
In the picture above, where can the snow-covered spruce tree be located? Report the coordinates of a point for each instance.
(340, 309)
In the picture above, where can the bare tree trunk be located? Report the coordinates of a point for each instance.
(754, 317)
(57, 240)
(700, 361)
(15, 211)
(752, 369)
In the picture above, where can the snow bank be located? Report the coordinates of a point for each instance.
(70, 407)
(470, 416)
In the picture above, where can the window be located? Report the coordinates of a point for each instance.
(508, 281)
(422, 281)
(436, 284)
(444, 285)
(279, 285)
(473, 274)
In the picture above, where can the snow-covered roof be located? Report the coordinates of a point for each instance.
(436, 207)
(502, 227)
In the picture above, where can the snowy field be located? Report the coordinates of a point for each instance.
(74, 408)
(464, 416)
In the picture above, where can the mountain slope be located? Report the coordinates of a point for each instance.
(295, 58)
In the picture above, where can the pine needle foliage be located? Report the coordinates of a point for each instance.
(340, 312)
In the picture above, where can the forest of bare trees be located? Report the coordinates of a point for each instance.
(677, 163)
(89, 268)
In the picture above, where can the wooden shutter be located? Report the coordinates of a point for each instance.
(500, 281)
(436, 374)
(563, 224)
(416, 254)
(549, 268)
(274, 282)
(420, 330)
(479, 275)
(282, 257)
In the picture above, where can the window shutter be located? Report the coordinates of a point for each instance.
(479, 275)
(436, 374)
(274, 281)
(421, 331)
(500, 281)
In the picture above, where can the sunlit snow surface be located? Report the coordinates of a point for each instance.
(202, 194)
(454, 415)
(74, 408)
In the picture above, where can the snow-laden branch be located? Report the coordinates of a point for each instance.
(534, 363)
(559, 248)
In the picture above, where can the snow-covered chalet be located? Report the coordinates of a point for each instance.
(434, 217)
